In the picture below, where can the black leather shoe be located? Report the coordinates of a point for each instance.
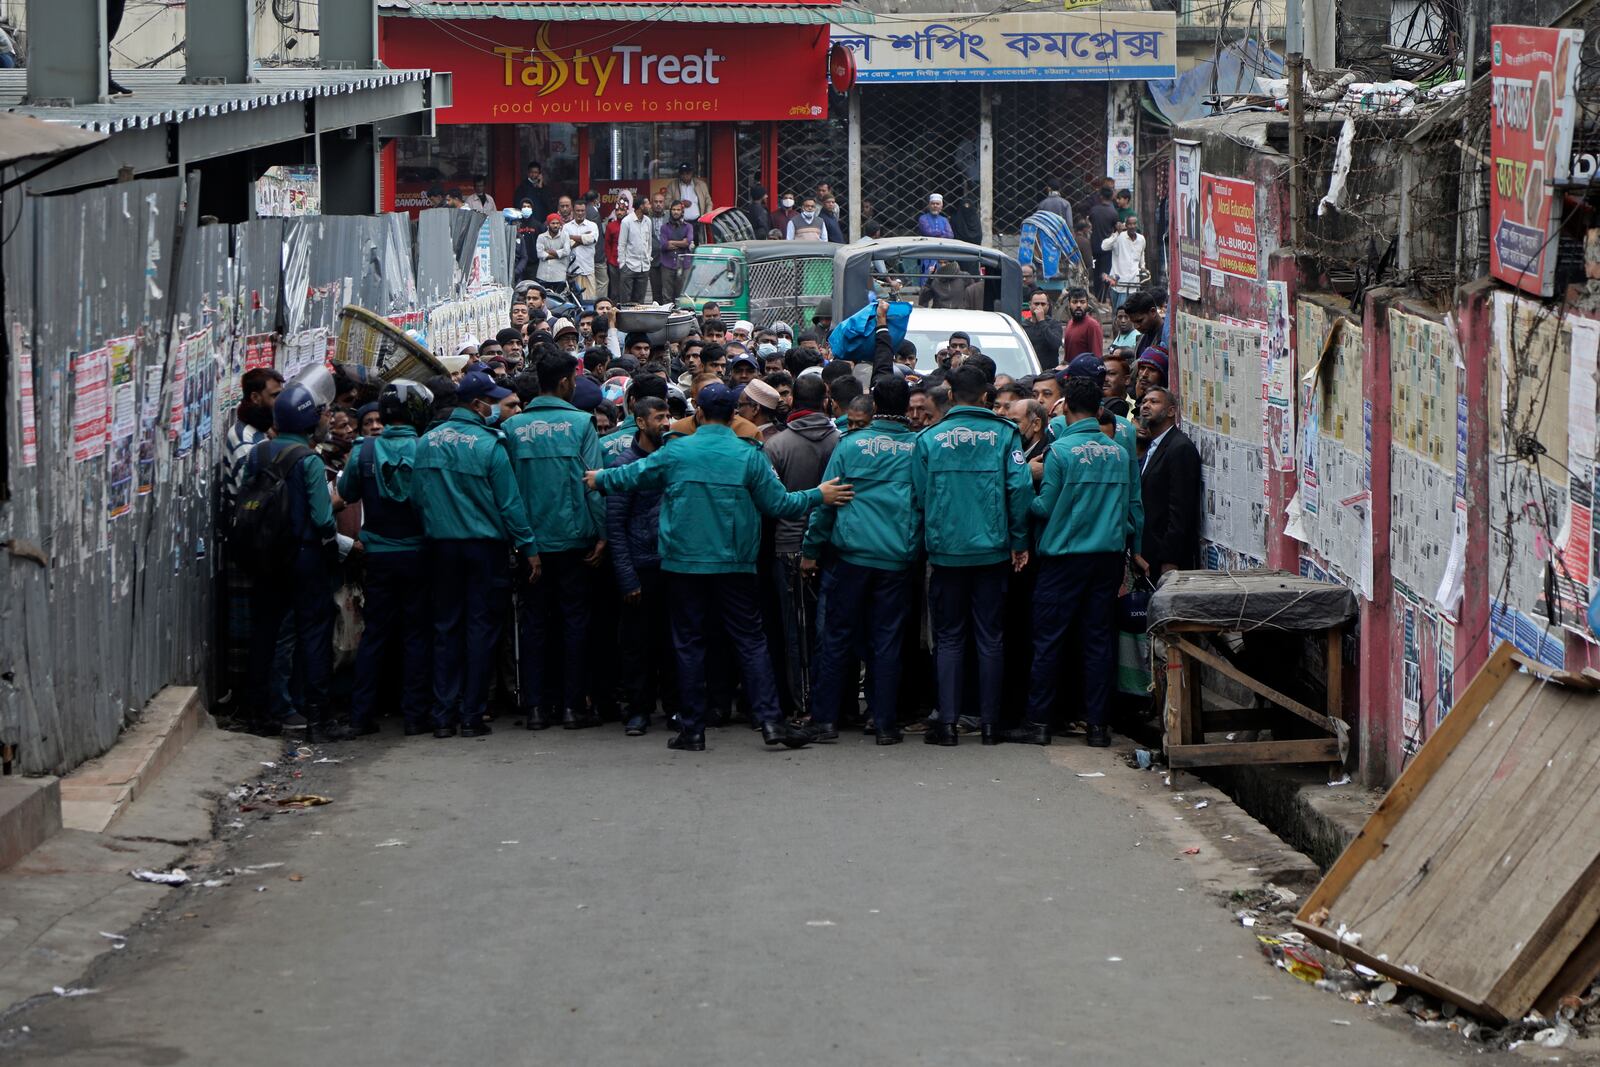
(1098, 736)
(688, 741)
(577, 720)
(818, 731)
(445, 731)
(636, 726)
(413, 731)
(347, 731)
(891, 738)
(989, 734)
(1029, 733)
(533, 719)
(781, 733)
(483, 729)
(941, 733)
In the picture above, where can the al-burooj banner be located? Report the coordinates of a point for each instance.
(1530, 143)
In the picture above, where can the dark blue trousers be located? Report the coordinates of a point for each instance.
(555, 609)
(470, 581)
(1083, 589)
(396, 598)
(698, 600)
(969, 602)
(650, 674)
(303, 597)
(865, 608)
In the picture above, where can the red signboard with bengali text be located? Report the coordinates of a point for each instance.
(1532, 108)
(519, 72)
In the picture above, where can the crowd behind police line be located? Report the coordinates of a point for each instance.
(745, 525)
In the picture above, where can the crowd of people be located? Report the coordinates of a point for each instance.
(754, 526)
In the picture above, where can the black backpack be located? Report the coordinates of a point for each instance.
(263, 522)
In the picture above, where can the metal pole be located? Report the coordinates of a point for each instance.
(1467, 192)
(1294, 66)
(853, 178)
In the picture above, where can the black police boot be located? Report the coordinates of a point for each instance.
(342, 731)
(779, 732)
(636, 726)
(534, 719)
(444, 731)
(477, 729)
(688, 741)
(891, 736)
(1029, 733)
(818, 731)
(989, 734)
(1099, 736)
(572, 719)
(941, 733)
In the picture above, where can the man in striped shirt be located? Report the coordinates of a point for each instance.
(260, 387)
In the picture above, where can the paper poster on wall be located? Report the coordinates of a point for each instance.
(1228, 242)
(149, 427)
(124, 423)
(29, 436)
(1186, 201)
(90, 405)
(1278, 380)
(180, 378)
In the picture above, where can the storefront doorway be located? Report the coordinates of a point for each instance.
(642, 158)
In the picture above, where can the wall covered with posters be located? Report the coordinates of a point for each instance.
(130, 325)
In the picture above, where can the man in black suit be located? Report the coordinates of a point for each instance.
(1170, 485)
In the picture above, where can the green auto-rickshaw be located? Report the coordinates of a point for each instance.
(761, 281)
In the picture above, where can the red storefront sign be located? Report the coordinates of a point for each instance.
(1228, 242)
(1530, 142)
(514, 71)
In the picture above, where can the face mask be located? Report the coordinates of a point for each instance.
(787, 201)
(527, 212)
(809, 216)
(783, 344)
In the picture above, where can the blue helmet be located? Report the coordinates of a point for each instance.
(296, 410)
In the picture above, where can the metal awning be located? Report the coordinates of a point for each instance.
(22, 137)
(549, 11)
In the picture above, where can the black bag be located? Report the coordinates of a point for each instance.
(263, 522)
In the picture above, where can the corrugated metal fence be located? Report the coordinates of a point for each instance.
(127, 327)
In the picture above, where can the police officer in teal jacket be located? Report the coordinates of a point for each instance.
(552, 445)
(471, 508)
(975, 489)
(641, 385)
(871, 547)
(1088, 365)
(378, 475)
(715, 485)
(1087, 530)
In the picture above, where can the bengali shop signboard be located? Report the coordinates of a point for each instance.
(507, 70)
(1228, 242)
(1015, 46)
(1530, 143)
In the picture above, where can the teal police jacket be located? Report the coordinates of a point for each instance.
(712, 486)
(882, 526)
(394, 455)
(552, 443)
(1128, 438)
(617, 441)
(1083, 498)
(974, 487)
(464, 487)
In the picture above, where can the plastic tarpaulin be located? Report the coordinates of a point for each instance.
(1250, 600)
(1183, 98)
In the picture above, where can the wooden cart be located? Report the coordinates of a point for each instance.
(1191, 606)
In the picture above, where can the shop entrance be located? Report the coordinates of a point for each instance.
(642, 158)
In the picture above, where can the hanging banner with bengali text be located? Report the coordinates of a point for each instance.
(1228, 243)
(1532, 107)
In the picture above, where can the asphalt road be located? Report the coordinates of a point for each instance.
(576, 899)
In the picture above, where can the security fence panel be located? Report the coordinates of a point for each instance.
(916, 140)
(1045, 132)
(810, 153)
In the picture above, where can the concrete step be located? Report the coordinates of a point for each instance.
(30, 811)
(94, 795)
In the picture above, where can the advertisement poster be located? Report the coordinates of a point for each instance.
(1186, 191)
(1228, 227)
(20, 344)
(180, 375)
(90, 404)
(1278, 380)
(149, 422)
(259, 352)
(1532, 109)
(124, 392)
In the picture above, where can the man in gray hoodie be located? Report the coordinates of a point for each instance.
(799, 454)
